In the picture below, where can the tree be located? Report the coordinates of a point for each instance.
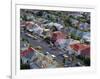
(25, 66)
(87, 61)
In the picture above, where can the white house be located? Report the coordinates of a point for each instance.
(57, 25)
(86, 37)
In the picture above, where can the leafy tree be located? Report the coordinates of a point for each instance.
(25, 66)
(87, 61)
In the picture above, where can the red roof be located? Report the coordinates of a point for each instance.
(83, 48)
(86, 52)
(58, 35)
(26, 52)
(79, 46)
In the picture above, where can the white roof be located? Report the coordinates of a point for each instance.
(87, 36)
(57, 25)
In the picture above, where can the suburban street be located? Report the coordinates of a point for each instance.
(52, 39)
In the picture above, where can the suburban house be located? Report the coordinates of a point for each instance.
(84, 26)
(58, 38)
(28, 55)
(34, 27)
(86, 37)
(37, 29)
(76, 15)
(57, 35)
(57, 25)
(29, 26)
(74, 22)
(81, 49)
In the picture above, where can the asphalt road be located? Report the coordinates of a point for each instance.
(44, 45)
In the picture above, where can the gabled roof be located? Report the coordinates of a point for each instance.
(79, 47)
(58, 35)
(26, 52)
